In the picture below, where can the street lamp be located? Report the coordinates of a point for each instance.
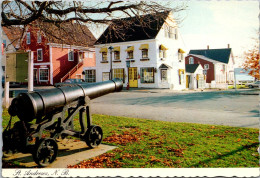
(111, 70)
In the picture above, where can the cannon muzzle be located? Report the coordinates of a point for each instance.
(31, 105)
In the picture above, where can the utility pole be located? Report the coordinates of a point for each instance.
(111, 69)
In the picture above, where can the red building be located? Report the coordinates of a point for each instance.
(218, 64)
(57, 60)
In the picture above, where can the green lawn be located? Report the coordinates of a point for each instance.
(145, 143)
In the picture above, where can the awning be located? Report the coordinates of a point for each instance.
(162, 47)
(103, 50)
(181, 51)
(131, 48)
(117, 48)
(165, 66)
(144, 46)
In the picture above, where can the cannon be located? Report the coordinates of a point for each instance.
(48, 115)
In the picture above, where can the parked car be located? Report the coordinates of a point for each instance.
(252, 85)
(11, 84)
(69, 82)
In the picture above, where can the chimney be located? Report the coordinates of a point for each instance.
(228, 45)
(208, 47)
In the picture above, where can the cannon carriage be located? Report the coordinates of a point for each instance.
(52, 111)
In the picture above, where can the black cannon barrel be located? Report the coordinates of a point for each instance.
(28, 106)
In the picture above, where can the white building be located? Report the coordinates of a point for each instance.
(195, 79)
(143, 57)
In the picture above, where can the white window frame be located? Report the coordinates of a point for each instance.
(91, 54)
(143, 77)
(206, 66)
(119, 73)
(38, 55)
(144, 56)
(39, 37)
(35, 76)
(28, 38)
(90, 78)
(191, 60)
(117, 55)
(180, 56)
(86, 55)
(40, 75)
(70, 50)
(104, 56)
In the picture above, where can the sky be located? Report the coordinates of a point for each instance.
(217, 24)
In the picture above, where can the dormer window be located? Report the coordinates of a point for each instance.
(191, 60)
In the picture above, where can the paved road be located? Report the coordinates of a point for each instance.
(218, 107)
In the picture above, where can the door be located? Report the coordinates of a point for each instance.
(187, 81)
(132, 77)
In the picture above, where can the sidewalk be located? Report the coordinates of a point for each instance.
(230, 91)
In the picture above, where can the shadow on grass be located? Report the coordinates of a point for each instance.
(224, 155)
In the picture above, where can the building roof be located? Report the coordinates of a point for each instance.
(14, 34)
(191, 68)
(133, 28)
(221, 55)
(73, 34)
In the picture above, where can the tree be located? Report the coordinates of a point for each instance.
(23, 13)
(251, 63)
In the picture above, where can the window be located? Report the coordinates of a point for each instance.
(28, 38)
(164, 74)
(39, 55)
(4, 42)
(105, 76)
(39, 37)
(181, 76)
(44, 74)
(90, 76)
(180, 56)
(104, 56)
(90, 55)
(206, 66)
(191, 60)
(86, 54)
(35, 75)
(162, 53)
(144, 53)
(130, 54)
(119, 73)
(71, 55)
(117, 55)
(171, 32)
(166, 30)
(176, 34)
(147, 75)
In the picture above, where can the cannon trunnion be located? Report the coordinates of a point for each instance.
(48, 115)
